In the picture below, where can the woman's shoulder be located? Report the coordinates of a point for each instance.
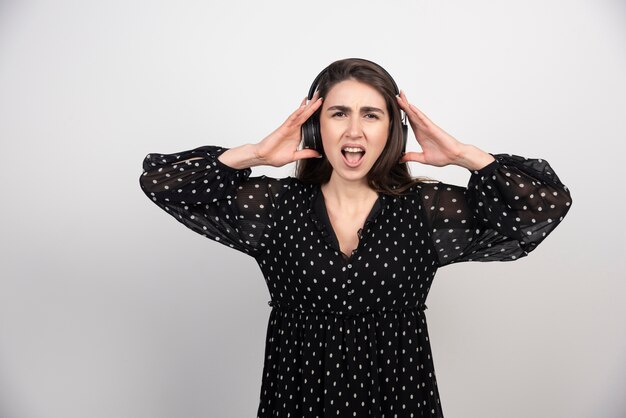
(430, 190)
(285, 186)
(421, 185)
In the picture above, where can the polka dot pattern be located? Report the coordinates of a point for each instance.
(347, 334)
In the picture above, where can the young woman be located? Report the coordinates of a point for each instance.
(349, 246)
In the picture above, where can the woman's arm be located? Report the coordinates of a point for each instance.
(507, 209)
(213, 199)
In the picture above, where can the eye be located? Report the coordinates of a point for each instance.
(374, 116)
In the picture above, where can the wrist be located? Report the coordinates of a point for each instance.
(241, 157)
(473, 158)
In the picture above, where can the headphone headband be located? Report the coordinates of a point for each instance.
(314, 85)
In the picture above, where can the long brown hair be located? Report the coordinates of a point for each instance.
(386, 175)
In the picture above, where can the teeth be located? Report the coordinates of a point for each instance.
(351, 149)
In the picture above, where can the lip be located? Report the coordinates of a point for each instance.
(354, 145)
(352, 165)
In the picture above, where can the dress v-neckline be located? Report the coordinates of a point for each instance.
(322, 214)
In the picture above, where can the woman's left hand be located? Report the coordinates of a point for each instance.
(438, 147)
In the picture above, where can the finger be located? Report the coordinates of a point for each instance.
(410, 105)
(293, 118)
(410, 113)
(301, 114)
(404, 102)
(315, 96)
(313, 99)
(401, 102)
(309, 109)
(306, 100)
(418, 112)
(305, 103)
(414, 114)
(295, 113)
(400, 98)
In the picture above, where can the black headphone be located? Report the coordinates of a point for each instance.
(311, 128)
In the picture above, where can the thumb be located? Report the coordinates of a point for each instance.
(413, 156)
(306, 153)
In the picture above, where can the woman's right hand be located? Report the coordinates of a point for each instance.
(281, 146)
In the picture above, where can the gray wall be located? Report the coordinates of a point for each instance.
(110, 308)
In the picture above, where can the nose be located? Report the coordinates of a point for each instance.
(354, 127)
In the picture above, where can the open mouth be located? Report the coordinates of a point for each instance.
(353, 155)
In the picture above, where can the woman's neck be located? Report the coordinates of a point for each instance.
(348, 196)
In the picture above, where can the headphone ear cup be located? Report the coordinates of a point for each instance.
(317, 133)
(311, 134)
(308, 135)
(405, 134)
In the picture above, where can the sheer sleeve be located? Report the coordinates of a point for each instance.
(213, 199)
(507, 209)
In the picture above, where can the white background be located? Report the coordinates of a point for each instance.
(111, 308)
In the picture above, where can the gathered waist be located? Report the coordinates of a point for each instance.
(383, 310)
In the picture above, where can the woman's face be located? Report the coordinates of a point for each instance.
(353, 113)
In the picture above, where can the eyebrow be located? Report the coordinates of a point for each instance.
(346, 109)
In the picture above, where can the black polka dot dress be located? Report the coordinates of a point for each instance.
(347, 334)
